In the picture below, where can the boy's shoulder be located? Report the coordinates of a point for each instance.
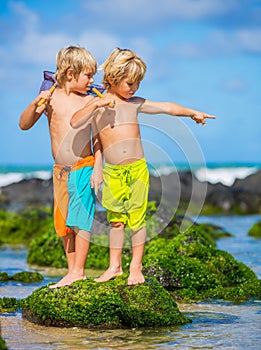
(136, 100)
(61, 102)
(61, 94)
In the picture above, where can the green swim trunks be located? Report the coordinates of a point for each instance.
(125, 193)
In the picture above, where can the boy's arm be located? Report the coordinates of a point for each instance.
(32, 113)
(151, 107)
(96, 178)
(84, 114)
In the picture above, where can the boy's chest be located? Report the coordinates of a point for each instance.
(64, 106)
(121, 114)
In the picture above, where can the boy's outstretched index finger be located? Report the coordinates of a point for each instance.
(209, 116)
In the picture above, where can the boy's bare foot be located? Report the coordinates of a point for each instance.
(67, 280)
(109, 274)
(135, 277)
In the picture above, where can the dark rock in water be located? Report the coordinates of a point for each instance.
(244, 196)
(250, 183)
(235, 200)
(175, 187)
(26, 194)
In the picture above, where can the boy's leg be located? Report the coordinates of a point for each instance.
(69, 248)
(76, 246)
(82, 245)
(116, 245)
(138, 243)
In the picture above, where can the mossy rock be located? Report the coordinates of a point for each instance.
(28, 277)
(103, 305)
(4, 277)
(172, 229)
(214, 231)
(9, 305)
(255, 230)
(3, 344)
(24, 276)
(2, 341)
(192, 268)
(20, 228)
(47, 250)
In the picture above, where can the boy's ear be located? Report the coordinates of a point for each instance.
(69, 74)
(110, 83)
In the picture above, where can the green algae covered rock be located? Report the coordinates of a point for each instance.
(4, 277)
(20, 228)
(9, 304)
(47, 250)
(107, 305)
(28, 277)
(2, 343)
(255, 230)
(24, 276)
(192, 268)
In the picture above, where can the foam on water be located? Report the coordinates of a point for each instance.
(13, 177)
(226, 176)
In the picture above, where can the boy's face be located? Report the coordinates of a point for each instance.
(125, 88)
(83, 83)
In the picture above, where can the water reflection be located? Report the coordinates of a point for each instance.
(222, 325)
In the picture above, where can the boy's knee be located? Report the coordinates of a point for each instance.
(119, 225)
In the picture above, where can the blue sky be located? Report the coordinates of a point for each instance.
(203, 54)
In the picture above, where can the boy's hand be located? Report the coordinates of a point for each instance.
(45, 94)
(200, 117)
(105, 102)
(96, 181)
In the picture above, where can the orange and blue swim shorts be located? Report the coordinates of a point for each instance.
(74, 199)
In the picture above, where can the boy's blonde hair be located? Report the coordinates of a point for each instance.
(120, 64)
(77, 58)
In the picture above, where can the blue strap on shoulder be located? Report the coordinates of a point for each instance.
(49, 80)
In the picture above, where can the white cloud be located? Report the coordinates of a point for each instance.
(249, 39)
(234, 85)
(220, 42)
(25, 15)
(99, 43)
(37, 48)
(242, 40)
(149, 11)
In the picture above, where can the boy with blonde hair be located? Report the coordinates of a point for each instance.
(126, 176)
(77, 171)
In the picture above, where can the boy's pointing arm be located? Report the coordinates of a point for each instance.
(171, 108)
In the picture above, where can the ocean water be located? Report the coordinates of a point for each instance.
(215, 325)
(225, 173)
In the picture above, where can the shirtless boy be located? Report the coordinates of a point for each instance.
(77, 173)
(126, 176)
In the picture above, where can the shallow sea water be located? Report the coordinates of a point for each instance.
(216, 325)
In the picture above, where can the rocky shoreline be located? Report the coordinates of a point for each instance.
(243, 197)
